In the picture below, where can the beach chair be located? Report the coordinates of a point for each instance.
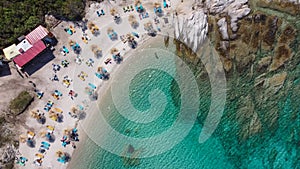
(50, 128)
(65, 49)
(64, 144)
(92, 86)
(135, 34)
(39, 155)
(45, 143)
(57, 92)
(107, 61)
(72, 29)
(61, 160)
(41, 150)
(102, 12)
(30, 134)
(84, 40)
(98, 75)
(44, 147)
(98, 13)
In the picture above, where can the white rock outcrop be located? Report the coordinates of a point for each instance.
(223, 28)
(191, 25)
(191, 28)
(236, 9)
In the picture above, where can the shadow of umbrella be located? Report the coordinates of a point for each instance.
(30, 142)
(50, 137)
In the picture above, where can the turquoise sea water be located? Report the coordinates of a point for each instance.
(274, 146)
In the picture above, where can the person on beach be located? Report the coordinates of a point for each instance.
(73, 145)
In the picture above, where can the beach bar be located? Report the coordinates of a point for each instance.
(31, 46)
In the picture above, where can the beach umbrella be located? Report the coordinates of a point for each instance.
(67, 131)
(110, 30)
(156, 5)
(58, 110)
(22, 138)
(137, 2)
(59, 153)
(113, 12)
(131, 18)
(94, 48)
(148, 24)
(91, 25)
(43, 133)
(34, 114)
(129, 37)
(71, 42)
(114, 50)
(74, 110)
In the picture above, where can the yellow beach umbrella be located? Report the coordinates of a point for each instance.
(39, 155)
(43, 133)
(58, 110)
(51, 128)
(30, 134)
(53, 117)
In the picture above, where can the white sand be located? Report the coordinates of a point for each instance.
(65, 103)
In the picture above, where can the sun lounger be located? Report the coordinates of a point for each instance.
(69, 31)
(64, 144)
(39, 155)
(44, 147)
(99, 75)
(92, 86)
(57, 92)
(61, 160)
(45, 143)
(41, 150)
(135, 34)
(98, 13)
(65, 49)
(102, 12)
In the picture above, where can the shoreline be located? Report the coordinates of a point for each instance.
(49, 161)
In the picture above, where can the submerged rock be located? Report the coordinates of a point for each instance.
(282, 54)
(247, 118)
(264, 63)
(275, 83)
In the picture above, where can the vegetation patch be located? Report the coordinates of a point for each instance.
(20, 103)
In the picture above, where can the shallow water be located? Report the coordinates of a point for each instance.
(275, 146)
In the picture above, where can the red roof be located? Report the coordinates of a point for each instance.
(24, 58)
(37, 34)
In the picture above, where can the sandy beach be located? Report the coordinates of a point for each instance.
(65, 102)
